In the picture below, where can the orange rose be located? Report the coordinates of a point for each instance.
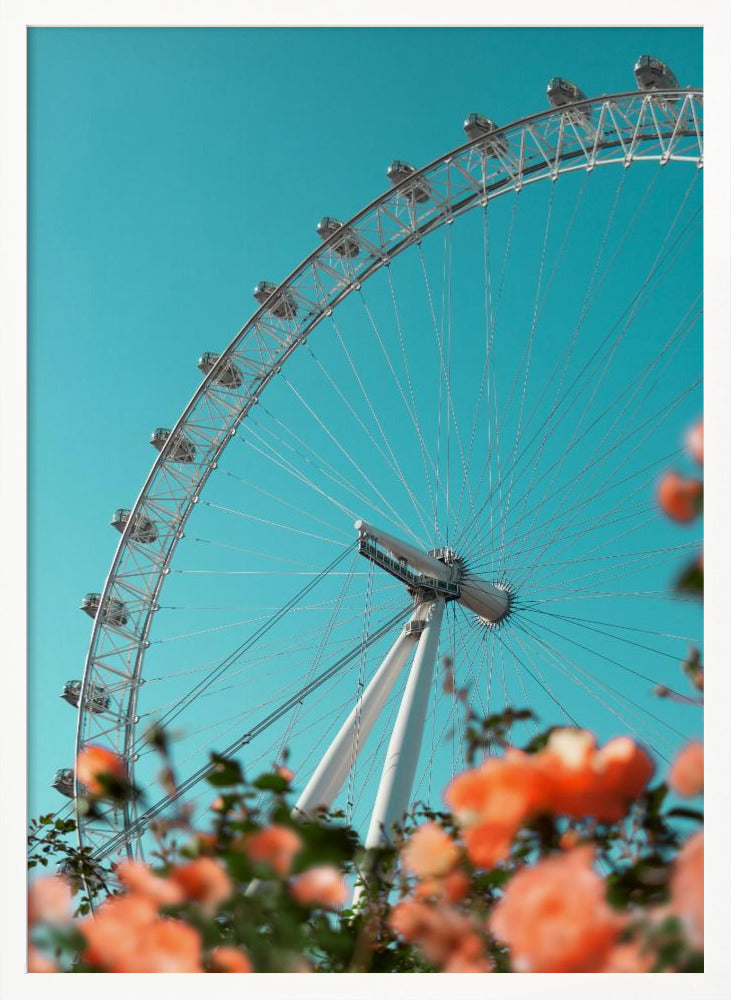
(430, 852)
(678, 497)
(49, 900)
(166, 946)
(96, 762)
(136, 877)
(115, 930)
(554, 916)
(587, 781)
(694, 442)
(275, 846)
(226, 959)
(205, 881)
(628, 957)
(322, 886)
(492, 801)
(686, 774)
(38, 962)
(686, 889)
(443, 934)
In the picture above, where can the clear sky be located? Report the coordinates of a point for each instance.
(169, 171)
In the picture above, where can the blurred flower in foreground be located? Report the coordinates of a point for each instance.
(205, 881)
(680, 498)
(555, 918)
(96, 767)
(686, 774)
(322, 886)
(136, 877)
(571, 776)
(430, 852)
(694, 442)
(225, 959)
(49, 901)
(686, 889)
(275, 846)
(447, 938)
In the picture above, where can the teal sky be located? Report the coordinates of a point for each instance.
(169, 171)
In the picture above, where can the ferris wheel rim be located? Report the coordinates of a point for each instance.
(136, 644)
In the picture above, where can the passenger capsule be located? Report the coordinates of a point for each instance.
(398, 171)
(561, 92)
(347, 245)
(180, 450)
(143, 529)
(63, 781)
(651, 74)
(113, 612)
(97, 697)
(283, 305)
(228, 375)
(478, 127)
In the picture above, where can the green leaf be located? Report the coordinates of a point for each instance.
(225, 772)
(271, 783)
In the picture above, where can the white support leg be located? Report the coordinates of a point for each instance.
(397, 778)
(331, 772)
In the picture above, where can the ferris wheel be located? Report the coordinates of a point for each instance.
(420, 479)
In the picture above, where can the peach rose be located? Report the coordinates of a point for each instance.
(205, 881)
(116, 928)
(678, 497)
(686, 889)
(554, 916)
(38, 962)
(136, 877)
(694, 442)
(165, 946)
(587, 781)
(275, 846)
(628, 956)
(49, 900)
(453, 887)
(686, 774)
(430, 852)
(322, 886)
(95, 762)
(492, 801)
(442, 934)
(227, 959)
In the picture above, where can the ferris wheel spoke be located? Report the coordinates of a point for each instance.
(388, 459)
(591, 685)
(619, 638)
(561, 657)
(273, 524)
(608, 574)
(540, 682)
(392, 461)
(631, 309)
(594, 464)
(525, 366)
(549, 568)
(610, 483)
(612, 407)
(301, 511)
(268, 452)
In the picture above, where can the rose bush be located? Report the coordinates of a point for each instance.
(558, 856)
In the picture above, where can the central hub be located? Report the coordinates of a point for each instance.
(441, 571)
